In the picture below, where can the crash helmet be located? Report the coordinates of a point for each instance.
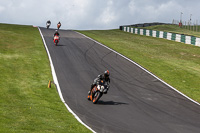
(106, 73)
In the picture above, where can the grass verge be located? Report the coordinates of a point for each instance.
(175, 29)
(176, 63)
(26, 104)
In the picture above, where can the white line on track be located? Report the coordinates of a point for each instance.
(141, 68)
(58, 86)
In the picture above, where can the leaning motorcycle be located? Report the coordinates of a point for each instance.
(56, 40)
(58, 26)
(97, 92)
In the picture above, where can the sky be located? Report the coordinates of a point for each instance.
(96, 14)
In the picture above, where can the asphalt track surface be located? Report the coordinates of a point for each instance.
(137, 102)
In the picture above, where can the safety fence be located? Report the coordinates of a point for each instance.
(166, 35)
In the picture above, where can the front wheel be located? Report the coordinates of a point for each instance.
(97, 96)
(56, 42)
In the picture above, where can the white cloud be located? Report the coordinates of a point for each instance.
(108, 15)
(132, 7)
(95, 14)
(2, 9)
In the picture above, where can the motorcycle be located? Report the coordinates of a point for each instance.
(58, 26)
(56, 40)
(48, 25)
(97, 92)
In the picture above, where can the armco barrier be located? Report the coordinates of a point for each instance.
(166, 35)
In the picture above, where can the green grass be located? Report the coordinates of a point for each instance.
(175, 29)
(26, 104)
(176, 63)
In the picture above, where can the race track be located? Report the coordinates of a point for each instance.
(136, 102)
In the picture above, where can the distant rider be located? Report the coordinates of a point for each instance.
(56, 33)
(105, 77)
(48, 22)
(59, 25)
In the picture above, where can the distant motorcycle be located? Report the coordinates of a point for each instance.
(98, 91)
(56, 40)
(48, 25)
(58, 26)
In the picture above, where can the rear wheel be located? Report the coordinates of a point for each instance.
(56, 42)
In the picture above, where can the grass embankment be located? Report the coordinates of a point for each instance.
(176, 63)
(26, 104)
(175, 29)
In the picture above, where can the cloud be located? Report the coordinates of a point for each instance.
(95, 14)
(2, 9)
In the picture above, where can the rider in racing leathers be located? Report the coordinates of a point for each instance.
(105, 77)
(59, 25)
(48, 22)
(56, 33)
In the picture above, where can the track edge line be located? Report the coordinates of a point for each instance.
(58, 86)
(141, 68)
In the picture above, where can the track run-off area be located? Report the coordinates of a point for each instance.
(137, 101)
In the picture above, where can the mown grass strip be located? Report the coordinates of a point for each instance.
(176, 63)
(26, 102)
(174, 29)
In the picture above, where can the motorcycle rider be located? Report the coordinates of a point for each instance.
(56, 34)
(105, 77)
(48, 22)
(59, 25)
